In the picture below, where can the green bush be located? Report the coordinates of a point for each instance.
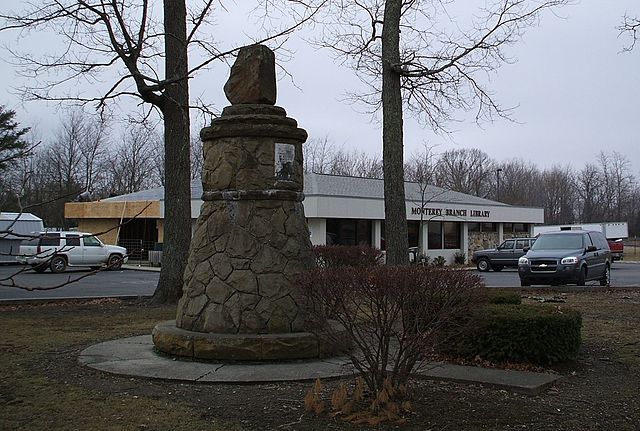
(503, 297)
(539, 335)
(460, 258)
(439, 261)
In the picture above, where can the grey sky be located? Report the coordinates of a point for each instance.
(576, 93)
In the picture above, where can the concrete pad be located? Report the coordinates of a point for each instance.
(136, 356)
(518, 381)
(287, 371)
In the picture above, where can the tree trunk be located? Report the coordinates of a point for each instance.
(397, 244)
(177, 190)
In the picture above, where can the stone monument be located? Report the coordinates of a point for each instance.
(251, 240)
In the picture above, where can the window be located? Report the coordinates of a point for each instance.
(483, 227)
(348, 232)
(50, 240)
(522, 243)
(520, 227)
(73, 240)
(444, 235)
(413, 233)
(451, 235)
(91, 241)
(489, 227)
(434, 241)
(507, 245)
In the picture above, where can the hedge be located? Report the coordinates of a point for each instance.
(336, 256)
(540, 335)
(502, 297)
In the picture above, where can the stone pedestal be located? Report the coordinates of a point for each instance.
(251, 241)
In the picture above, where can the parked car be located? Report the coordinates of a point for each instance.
(506, 254)
(617, 248)
(58, 250)
(566, 257)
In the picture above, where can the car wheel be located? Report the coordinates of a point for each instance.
(498, 268)
(582, 277)
(606, 277)
(483, 265)
(58, 264)
(39, 268)
(114, 263)
(525, 283)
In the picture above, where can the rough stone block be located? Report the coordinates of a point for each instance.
(253, 77)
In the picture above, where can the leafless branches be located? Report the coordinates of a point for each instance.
(110, 38)
(444, 60)
(630, 26)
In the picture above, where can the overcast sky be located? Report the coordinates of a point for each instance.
(576, 93)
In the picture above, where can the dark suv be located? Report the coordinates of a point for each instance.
(506, 254)
(575, 256)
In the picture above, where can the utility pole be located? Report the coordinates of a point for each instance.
(498, 183)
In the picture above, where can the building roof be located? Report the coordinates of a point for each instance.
(336, 185)
(373, 188)
(18, 223)
(19, 217)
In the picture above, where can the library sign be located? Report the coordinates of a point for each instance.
(450, 212)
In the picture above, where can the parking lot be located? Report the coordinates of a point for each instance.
(623, 274)
(80, 283)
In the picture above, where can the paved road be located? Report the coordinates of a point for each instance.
(623, 274)
(136, 283)
(104, 283)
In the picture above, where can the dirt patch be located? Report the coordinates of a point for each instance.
(43, 386)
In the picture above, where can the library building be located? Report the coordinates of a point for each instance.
(339, 210)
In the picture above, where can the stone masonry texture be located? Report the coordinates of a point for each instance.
(251, 240)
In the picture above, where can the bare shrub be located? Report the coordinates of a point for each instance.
(394, 315)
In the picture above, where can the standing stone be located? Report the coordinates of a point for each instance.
(253, 77)
(251, 240)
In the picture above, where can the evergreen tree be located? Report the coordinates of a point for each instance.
(12, 144)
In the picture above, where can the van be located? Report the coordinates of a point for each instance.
(574, 256)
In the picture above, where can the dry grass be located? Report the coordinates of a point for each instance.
(33, 401)
(43, 388)
(610, 318)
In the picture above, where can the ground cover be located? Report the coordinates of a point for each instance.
(43, 387)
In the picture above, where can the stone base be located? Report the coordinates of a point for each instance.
(245, 347)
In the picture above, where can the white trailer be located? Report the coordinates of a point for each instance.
(611, 230)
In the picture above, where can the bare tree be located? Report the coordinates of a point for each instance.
(557, 186)
(318, 154)
(516, 179)
(589, 188)
(148, 56)
(412, 56)
(323, 157)
(630, 26)
(131, 166)
(421, 169)
(466, 170)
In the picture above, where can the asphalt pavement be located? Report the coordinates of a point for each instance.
(74, 283)
(134, 281)
(623, 274)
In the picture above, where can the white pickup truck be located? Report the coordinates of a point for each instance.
(58, 250)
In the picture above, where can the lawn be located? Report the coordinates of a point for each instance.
(43, 387)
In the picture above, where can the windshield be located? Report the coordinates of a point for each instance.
(558, 242)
